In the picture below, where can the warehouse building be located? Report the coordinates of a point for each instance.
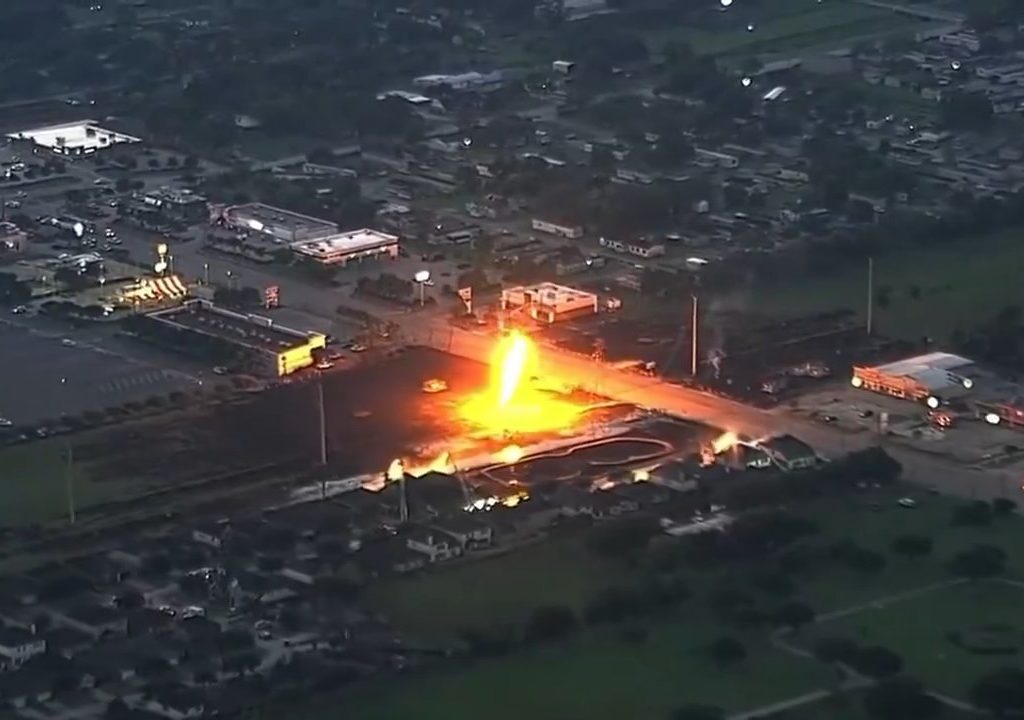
(343, 248)
(262, 345)
(280, 225)
(77, 138)
(548, 302)
(931, 379)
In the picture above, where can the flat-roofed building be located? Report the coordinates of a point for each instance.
(281, 225)
(548, 302)
(271, 348)
(343, 248)
(932, 378)
(83, 137)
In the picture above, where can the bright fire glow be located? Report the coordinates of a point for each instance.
(510, 454)
(511, 366)
(442, 464)
(511, 403)
(396, 470)
(725, 441)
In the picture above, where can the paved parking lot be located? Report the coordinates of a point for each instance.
(44, 378)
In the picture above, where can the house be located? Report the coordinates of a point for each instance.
(607, 505)
(572, 501)
(436, 545)
(645, 248)
(254, 587)
(176, 702)
(391, 556)
(469, 532)
(95, 620)
(304, 570)
(526, 518)
(211, 535)
(17, 646)
(790, 453)
(644, 494)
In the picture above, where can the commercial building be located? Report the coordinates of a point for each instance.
(281, 225)
(932, 379)
(570, 232)
(267, 347)
(472, 80)
(548, 302)
(173, 204)
(342, 248)
(83, 137)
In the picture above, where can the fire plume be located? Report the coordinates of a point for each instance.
(512, 403)
(511, 359)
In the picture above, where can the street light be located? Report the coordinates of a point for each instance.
(422, 277)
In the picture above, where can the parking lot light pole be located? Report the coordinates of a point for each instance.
(422, 278)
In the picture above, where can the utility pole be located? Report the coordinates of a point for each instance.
(871, 295)
(693, 340)
(70, 482)
(323, 437)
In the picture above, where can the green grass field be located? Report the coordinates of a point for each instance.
(917, 629)
(786, 26)
(599, 674)
(960, 284)
(34, 488)
(501, 589)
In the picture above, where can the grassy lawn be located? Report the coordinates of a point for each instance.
(960, 283)
(596, 676)
(917, 629)
(852, 708)
(785, 25)
(495, 590)
(601, 674)
(33, 484)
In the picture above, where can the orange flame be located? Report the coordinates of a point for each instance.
(510, 454)
(725, 441)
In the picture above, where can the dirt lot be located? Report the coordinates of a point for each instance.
(747, 350)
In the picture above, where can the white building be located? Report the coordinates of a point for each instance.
(548, 302)
(645, 248)
(342, 248)
(83, 137)
(472, 80)
(570, 232)
(279, 224)
(17, 646)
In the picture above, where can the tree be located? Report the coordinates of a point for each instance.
(1003, 506)
(794, 615)
(726, 651)
(912, 546)
(875, 662)
(979, 562)
(834, 650)
(697, 712)
(550, 622)
(622, 536)
(1000, 693)
(901, 699)
(975, 513)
